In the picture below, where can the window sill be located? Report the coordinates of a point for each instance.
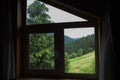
(46, 79)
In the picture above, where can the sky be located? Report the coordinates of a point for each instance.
(78, 32)
(58, 15)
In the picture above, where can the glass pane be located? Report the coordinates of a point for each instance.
(79, 44)
(41, 51)
(42, 13)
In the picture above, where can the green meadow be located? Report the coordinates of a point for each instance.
(84, 64)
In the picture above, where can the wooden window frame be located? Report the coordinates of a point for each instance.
(22, 56)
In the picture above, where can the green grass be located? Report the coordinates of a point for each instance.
(84, 64)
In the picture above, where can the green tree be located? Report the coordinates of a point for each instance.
(41, 49)
(37, 13)
(80, 52)
(41, 46)
(67, 67)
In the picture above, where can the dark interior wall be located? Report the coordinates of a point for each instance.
(95, 7)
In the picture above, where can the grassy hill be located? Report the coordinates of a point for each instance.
(84, 64)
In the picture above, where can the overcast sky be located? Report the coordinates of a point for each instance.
(58, 15)
(78, 32)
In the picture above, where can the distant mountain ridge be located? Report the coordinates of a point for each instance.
(68, 39)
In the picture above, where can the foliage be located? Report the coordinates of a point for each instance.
(66, 62)
(37, 13)
(41, 51)
(80, 46)
(67, 39)
(41, 46)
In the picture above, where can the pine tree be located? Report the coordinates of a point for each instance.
(41, 46)
(37, 13)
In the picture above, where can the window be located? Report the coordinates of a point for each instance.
(47, 14)
(79, 50)
(54, 43)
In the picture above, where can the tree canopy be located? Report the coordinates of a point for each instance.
(41, 51)
(41, 45)
(37, 13)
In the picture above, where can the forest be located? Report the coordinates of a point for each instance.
(80, 46)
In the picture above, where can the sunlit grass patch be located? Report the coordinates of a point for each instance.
(84, 64)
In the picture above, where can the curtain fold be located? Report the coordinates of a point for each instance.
(6, 29)
(107, 54)
(7, 24)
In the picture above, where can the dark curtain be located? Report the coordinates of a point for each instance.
(7, 27)
(114, 15)
(108, 62)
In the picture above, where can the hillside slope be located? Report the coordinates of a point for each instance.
(84, 64)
